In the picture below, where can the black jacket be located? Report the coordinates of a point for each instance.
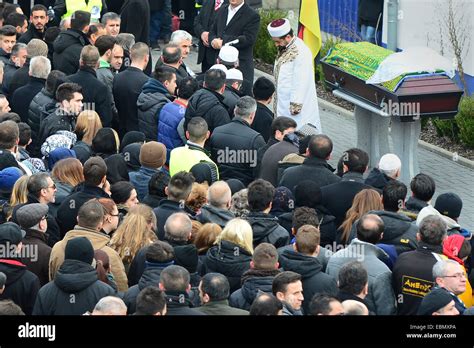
(338, 197)
(58, 120)
(20, 78)
(94, 93)
(8, 72)
(152, 201)
(163, 212)
(343, 296)
(228, 259)
(313, 278)
(150, 102)
(22, 285)
(23, 96)
(377, 179)
(327, 226)
(37, 112)
(67, 211)
(414, 205)
(244, 26)
(253, 282)
(399, 231)
(412, 277)
(179, 303)
(4, 56)
(150, 277)
(262, 122)
(39, 266)
(67, 50)
(273, 155)
(313, 169)
(211, 214)
(231, 98)
(74, 279)
(208, 105)
(239, 138)
(266, 229)
(32, 33)
(135, 15)
(127, 87)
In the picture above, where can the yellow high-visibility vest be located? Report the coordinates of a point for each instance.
(94, 7)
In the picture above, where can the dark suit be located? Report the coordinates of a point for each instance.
(244, 26)
(204, 22)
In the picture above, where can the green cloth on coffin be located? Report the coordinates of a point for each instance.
(361, 59)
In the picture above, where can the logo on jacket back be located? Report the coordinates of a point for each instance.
(416, 286)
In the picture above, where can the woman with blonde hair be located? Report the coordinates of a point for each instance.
(67, 174)
(87, 125)
(18, 196)
(136, 231)
(232, 252)
(365, 201)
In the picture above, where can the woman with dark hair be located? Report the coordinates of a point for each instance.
(105, 143)
(116, 169)
(124, 195)
(131, 154)
(103, 268)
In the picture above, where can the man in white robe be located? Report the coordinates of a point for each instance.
(295, 94)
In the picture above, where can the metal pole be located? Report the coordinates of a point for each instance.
(392, 26)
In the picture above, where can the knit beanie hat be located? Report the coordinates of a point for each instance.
(80, 249)
(153, 154)
(59, 154)
(449, 204)
(205, 171)
(434, 301)
(8, 178)
(131, 138)
(235, 185)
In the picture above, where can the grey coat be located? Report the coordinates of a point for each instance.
(381, 298)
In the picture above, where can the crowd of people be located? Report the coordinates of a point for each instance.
(174, 192)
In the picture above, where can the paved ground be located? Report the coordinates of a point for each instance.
(449, 175)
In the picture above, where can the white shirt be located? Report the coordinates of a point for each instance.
(232, 11)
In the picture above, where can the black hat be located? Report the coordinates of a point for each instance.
(132, 137)
(10, 232)
(80, 249)
(434, 301)
(31, 214)
(205, 171)
(187, 257)
(449, 204)
(235, 185)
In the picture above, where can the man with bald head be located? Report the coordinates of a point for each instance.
(217, 211)
(380, 298)
(353, 307)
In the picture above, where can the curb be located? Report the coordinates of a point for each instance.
(324, 104)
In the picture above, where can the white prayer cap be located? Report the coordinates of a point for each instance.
(229, 54)
(219, 67)
(389, 162)
(234, 74)
(279, 27)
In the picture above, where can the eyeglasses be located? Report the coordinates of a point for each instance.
(457, 275)
(53, 186)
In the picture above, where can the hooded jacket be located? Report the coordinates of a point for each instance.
(399, 231)
(150, 277)
(151, 100)
(75, 280)
(266, 229)
(211, 214)
(22, 285)
(208, 105)
(67, 50)
(254, 281)
(170, 116)
(377, 179)
(99, 241)
(179, 303)
(313, 278)
(228, 259)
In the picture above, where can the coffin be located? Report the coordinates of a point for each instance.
(415, 96)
